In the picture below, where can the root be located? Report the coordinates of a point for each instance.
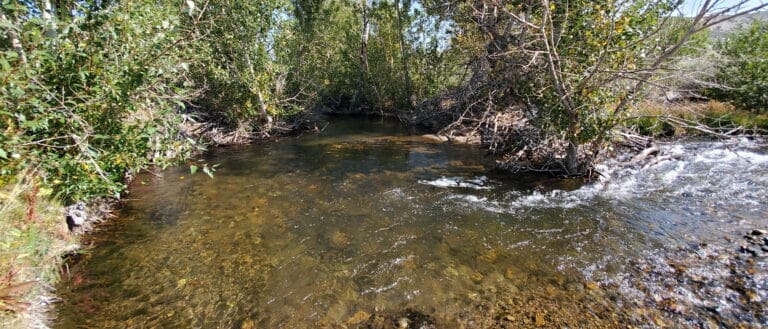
(501, 126)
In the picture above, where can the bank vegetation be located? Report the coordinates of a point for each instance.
(95, 91)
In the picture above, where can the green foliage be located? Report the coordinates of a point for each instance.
(650, 126)
(405, 60)
(674, 28)
(604, 44)
(240, 72)
(572, 67)
(745, 73)
(323, 52)
(96, 99)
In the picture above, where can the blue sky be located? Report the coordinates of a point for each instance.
(690, 6)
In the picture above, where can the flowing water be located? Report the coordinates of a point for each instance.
(366, 226)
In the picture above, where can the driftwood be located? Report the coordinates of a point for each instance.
(661, 159)
(651, 151)
(634, 141)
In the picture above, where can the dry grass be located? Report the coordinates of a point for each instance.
(683, 118)
(33, 236)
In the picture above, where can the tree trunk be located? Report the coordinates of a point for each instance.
(403, 54)
(572, 153)
(363, 54)
(263, 112)
(572, 158)
(49, 16)
(14, 38)
(267, 119)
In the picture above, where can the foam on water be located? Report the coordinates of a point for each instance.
(732, 172)
(477, 183)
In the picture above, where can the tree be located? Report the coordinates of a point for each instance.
(571, 67)
(240, 75)
(91, 91)
(744, 76)
(401, 8)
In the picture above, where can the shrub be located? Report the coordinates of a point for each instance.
(744, 75)
(94, 100)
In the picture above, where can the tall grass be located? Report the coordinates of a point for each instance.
(659, 119)
(33, 235)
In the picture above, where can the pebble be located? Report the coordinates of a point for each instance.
(753, 297)
(358, 317)
(507, 317)
(249, 324)
(539, 320)
(76, 215)
(512, 273)
(339, 240)
(575, 287)
(748, 250)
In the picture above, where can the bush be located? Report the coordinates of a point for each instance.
(94, 99)
(745, 73)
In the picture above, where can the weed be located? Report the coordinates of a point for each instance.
(32, 237)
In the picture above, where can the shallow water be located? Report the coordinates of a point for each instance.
(364, 225)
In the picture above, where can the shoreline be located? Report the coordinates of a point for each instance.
(27, 292)
(41, 308)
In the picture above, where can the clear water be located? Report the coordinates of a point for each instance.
(366, 226)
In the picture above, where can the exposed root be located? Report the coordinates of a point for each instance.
(505, 130)
(246, 131)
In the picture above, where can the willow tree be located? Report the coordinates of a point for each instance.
(573, 67)
(91, 90)
(242, 77)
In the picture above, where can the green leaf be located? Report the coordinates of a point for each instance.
(15, 232)
(193, 169)
(4, 63)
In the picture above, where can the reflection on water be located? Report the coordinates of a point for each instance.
(364, 225)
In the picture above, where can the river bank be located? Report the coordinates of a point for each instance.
(64, 242)
(39, 232)
(397, 227)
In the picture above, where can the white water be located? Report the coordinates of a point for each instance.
(714, 173)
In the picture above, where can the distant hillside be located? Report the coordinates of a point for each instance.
(721, 30)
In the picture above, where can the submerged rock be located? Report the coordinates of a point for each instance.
(339, 240)
(539, 319)
(408, 318)
(358, 317)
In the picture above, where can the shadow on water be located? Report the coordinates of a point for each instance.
(367, 226)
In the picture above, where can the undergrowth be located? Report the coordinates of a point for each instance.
(678, 119)
(33, 235)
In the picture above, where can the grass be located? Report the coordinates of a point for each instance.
(663, 120)
(33, 236)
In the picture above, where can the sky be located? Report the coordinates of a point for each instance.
(691, 6)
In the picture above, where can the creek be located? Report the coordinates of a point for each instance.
(365, 225)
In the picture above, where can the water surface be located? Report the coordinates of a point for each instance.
(365, 225)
